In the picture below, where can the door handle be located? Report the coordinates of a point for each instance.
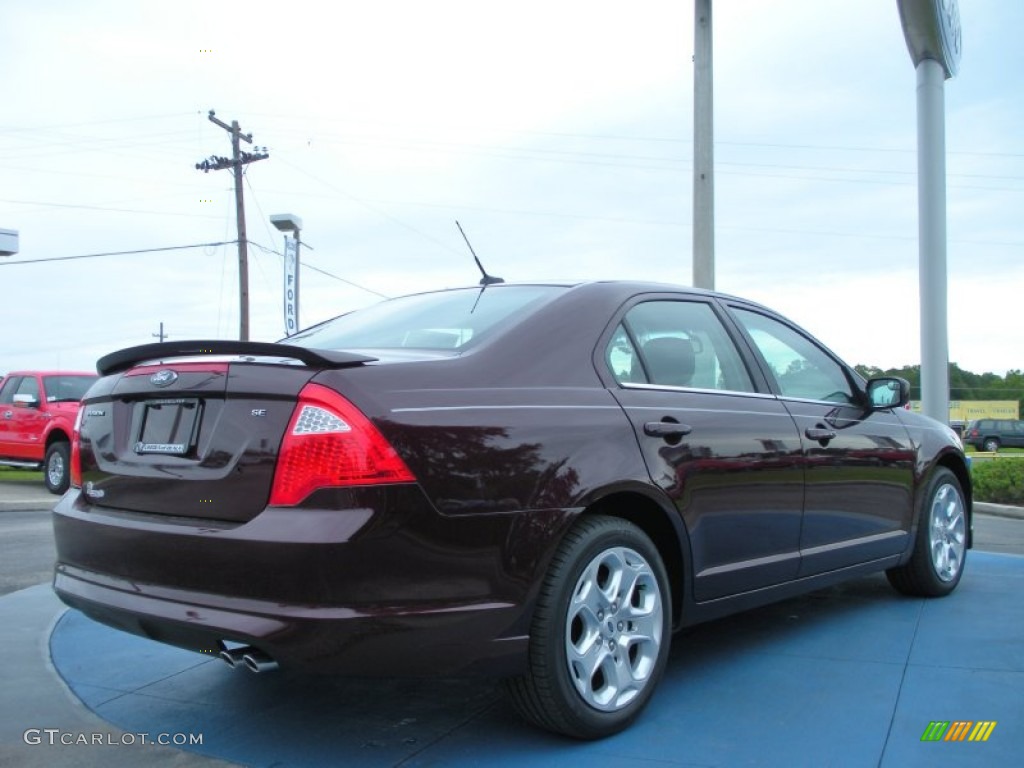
(666, 429)
(821, 434)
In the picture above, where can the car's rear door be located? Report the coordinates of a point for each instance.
(860, 462)
(727, 455)
(1015, 435)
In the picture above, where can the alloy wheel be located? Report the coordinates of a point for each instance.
(613, 629)
(947, 532)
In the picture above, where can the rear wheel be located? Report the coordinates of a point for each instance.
(57, 468)
(991, 444)
(940, 546)
(601, 632)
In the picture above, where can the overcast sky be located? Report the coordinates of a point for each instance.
(558, 133)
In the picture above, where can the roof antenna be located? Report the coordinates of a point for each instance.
(486, 279)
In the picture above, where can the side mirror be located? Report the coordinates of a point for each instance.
(26, 401)
(888, 392)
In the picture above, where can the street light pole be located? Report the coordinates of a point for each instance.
(703, 150)
(934, 41)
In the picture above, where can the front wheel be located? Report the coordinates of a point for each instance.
(940, 546)
(600, 634)
(57, 468)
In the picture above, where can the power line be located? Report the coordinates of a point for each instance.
(307, 265)
(115, 253)
(107, 208)
(139, 118)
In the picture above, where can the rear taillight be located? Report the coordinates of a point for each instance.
(76, 450)
(330, 443)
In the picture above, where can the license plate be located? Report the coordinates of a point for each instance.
(168, 427)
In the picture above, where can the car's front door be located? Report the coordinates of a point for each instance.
(728, 456)
(23, 421)
(859, 462)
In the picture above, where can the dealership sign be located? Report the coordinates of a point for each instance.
(291, 304)
(932, 30)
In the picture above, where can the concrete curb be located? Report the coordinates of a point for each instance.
(27, 503)
(999, 510)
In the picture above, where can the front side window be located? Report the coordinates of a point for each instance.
(800, 367)
(8, 390)
(676, 344)
(29, 386)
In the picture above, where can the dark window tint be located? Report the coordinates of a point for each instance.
(800, 367)
(9, 388)
(443, 320)
(676, 344)
(61, 389)
(29, 386)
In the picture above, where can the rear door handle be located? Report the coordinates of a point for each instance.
(819, 433)
(666, 429)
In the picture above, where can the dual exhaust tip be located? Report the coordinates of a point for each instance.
(249, 657)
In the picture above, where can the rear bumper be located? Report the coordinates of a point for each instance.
(377, 584)
(445, 641)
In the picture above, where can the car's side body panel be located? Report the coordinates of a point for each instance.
(508, 443)
(736, 480)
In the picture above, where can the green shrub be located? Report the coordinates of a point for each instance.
(1000, 481)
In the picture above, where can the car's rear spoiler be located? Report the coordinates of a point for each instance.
(124, 359)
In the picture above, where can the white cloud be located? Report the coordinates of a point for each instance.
(558, 133)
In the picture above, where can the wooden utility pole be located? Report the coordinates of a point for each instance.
(160, 335)
(237, 160)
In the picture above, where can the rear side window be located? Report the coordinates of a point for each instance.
(676, 344)
(446, 320)
(66, 389)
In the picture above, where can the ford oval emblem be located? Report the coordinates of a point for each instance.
(163, 378)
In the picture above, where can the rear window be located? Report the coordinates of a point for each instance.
(447, 320)
(61, 389)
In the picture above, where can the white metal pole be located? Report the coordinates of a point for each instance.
(931, 193)
(703, 150)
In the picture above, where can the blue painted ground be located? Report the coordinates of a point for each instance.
(849, 676)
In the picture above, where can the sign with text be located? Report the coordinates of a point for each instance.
(291, 297)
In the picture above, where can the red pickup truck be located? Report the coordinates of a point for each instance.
(37, 418)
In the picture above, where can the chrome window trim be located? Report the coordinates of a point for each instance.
(697, 390)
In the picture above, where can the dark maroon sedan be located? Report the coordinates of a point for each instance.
(540, 482)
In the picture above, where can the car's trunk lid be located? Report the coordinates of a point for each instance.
(195, 438)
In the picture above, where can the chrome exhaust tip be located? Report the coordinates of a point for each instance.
(257, 661)
(234, 657)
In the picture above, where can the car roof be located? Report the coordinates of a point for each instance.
(50, 373)
(626, 287)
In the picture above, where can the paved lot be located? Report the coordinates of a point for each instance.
(847, 676)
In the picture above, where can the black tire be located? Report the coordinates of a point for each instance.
(581, 606)
(991, 444)
(57, 467)
(940, 544)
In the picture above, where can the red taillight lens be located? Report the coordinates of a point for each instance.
(330, 443)
(76, 450)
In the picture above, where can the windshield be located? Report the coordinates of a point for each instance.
(451, 320)
(61, 389)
